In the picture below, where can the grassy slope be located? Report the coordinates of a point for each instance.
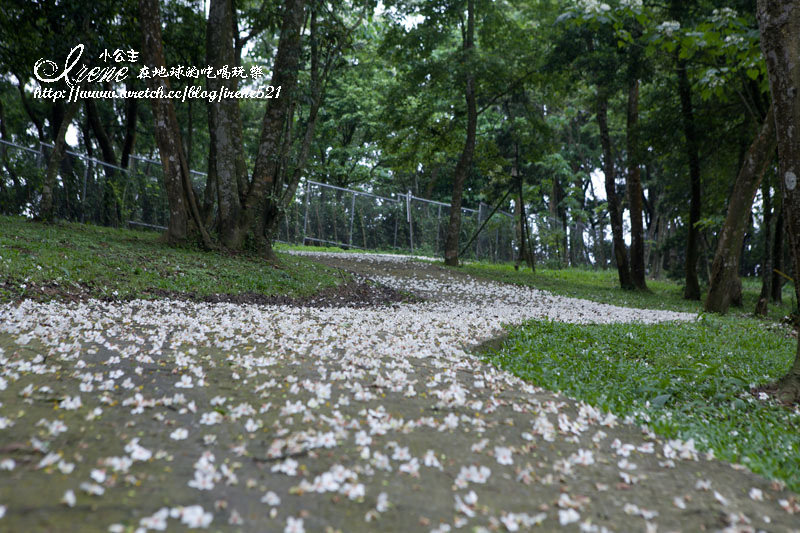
(687, 380)
(603, 286)
(126, 264)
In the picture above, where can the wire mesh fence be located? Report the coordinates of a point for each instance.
(321, 214)
(329, 215)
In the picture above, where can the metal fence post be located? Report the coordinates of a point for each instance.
(305, 215)
(83, 192)
(410, 223)
(438, 221)
(394, 244)
(352, 214)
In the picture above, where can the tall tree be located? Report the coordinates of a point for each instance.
(678, 10)
(691, 290)
(779, 24)
(614, 210)
(184, 214)
(46, 207)
(762, 304)
(464, 164)
(247, 207)
(725, 285)
(634, 186)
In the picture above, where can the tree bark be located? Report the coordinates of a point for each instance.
(180, 195)
(525, 251)
(724, 282)
(692, 289)
(779, 23)
(129, 142)
(634, 188)
(264, 186)
(614, 212)
(465, 161)
(224, 124)
(318, 76)
(46, 207)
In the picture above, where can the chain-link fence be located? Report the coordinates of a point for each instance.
(329, 215)
(93, 191)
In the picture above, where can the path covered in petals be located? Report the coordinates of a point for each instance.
(166, 415)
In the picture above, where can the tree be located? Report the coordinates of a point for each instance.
(634, 186)
(54, 162)
(252, 207)
(183, 211)
(596, 55)
(465, 161)
(766, 262)
(724, 285)
(779, 24)
(614, 210)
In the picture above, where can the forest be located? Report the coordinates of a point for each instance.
(604, 126)
(629, 135)
(636, 153)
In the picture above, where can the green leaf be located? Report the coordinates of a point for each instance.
(660, 400)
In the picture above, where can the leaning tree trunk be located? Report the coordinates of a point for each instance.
(264, 186)
(319, 75)
(614, 211)
(779, 23)
(692, 289)
(634, 186)
(180, 195)
(46, 207)
(724, 283)
(465, 161)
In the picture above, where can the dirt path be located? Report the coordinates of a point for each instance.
(168, 415)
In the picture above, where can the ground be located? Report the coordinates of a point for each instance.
(172, 414)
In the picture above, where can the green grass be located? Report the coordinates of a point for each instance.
(603, 286)
(283, 246)
(687, 380)
(126, 264)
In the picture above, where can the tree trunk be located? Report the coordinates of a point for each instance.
(224, 124)
(264, 186)
(110, 208)
(180, 195)
(318, 76)
(525, 251)
(465, 161)
(131, 118)
(779, 23)
(766, 261)
(634, 186)
(46, 207)
(614, 212)
(724, 282)
(692, 289)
